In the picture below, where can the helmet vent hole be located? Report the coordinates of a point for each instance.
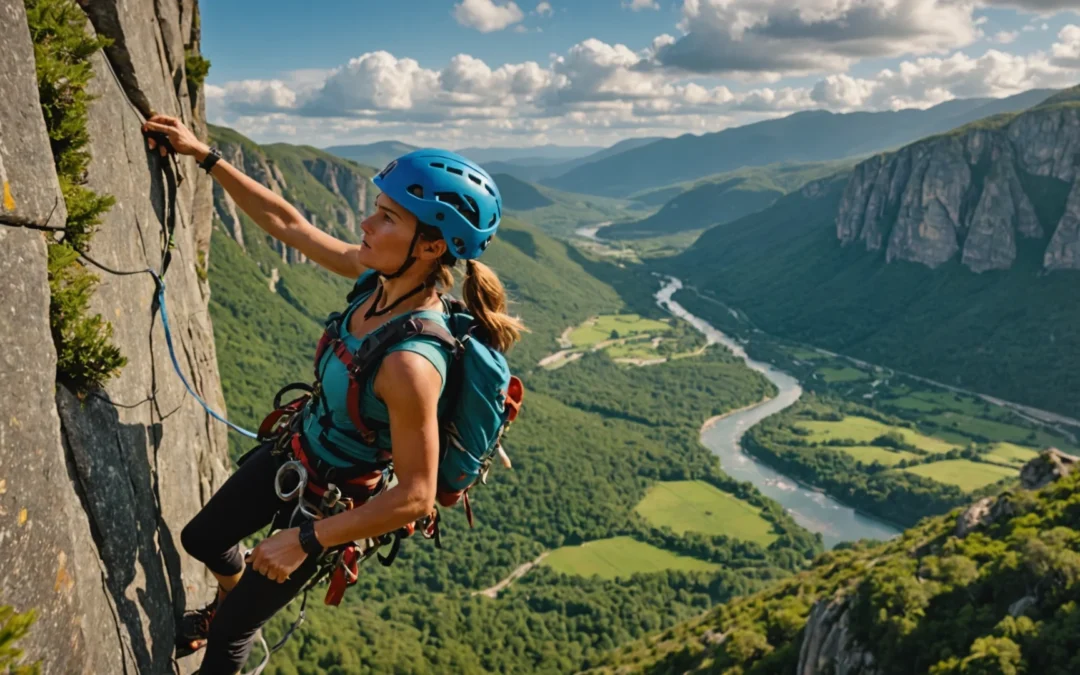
(459, 244)
(472, 203)
(416, 190)
(456, 171)
(438, 165)
(490, 191)
(466, 207)
(475, 179)
(492, 223)
(440, 216)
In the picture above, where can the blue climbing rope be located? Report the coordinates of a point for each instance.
(176, 364)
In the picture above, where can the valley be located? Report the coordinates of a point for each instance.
(663, 466)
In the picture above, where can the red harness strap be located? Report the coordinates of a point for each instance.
(352, 398)
(367, 481)
(344, 575)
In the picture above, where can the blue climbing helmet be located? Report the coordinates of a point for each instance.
(449, 192)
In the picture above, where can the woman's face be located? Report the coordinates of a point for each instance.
(387, 235)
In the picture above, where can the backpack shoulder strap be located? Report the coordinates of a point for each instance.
(361, 363)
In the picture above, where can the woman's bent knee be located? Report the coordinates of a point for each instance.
(222, 560)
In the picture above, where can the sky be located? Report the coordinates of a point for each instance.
(460, 73)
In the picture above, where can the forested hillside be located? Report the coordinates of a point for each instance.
(988, 589)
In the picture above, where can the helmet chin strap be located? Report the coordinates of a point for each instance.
(409, 257)
(409, 260)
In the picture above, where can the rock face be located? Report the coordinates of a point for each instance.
(963, 194)
(1047, 468)
(827, 646)
(332, 193)
(94, 492)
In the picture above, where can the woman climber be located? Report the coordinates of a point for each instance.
(435, 208)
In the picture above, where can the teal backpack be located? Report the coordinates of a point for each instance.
(484, 396)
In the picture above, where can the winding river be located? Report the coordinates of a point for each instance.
(811, 508)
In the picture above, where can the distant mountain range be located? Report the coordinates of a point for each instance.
(375, 155)
(811, 136)
(636, 166)
(525, 155)
(720, 199)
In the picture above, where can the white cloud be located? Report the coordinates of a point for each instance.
(927, 81)
(1042, 7)
(254, 96)
(487, 16)
(1066, 52)
(1006, 37)
(779, 36)
(544, 9)
(598, 92)
(638, 5)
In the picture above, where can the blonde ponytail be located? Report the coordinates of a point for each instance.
(485, 297)
(482, 292)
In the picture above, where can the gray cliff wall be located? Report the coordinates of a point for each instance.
(963, 194)
(94, 492)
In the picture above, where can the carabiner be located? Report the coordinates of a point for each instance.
(302, 479)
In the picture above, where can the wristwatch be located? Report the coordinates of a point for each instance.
(210, 160)
(308, 541)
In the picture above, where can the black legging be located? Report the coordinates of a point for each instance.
(245, 504)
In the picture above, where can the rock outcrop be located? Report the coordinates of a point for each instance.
(963, 193)
(94, 492)
(827, 646)
(1047, 468)
(332, 193)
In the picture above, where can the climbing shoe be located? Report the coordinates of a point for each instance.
(195, 628)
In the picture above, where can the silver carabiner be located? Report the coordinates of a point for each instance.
(301, 474)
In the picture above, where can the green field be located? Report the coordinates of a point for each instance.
(633, 349)
(926, 401)
(963, 473)
(842, 374)
(868, 454)
(696, 506)
(1007, 453)
(864, 430)
(803, 354)
(624, 325)
(992, 429)
(620, 557)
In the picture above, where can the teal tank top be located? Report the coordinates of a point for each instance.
(335, 386)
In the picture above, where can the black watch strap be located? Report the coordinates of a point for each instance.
(308, 541)
(210, 160)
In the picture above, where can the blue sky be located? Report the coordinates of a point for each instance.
(494, 72)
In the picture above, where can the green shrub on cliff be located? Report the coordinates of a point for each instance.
(13, 627)
(62, 49)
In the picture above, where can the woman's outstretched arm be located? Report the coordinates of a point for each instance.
(270, 211)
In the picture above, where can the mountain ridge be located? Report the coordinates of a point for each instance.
(815, 135)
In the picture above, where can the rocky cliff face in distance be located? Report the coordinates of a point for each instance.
(334, 194)
(976, 192)
(95, 490)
